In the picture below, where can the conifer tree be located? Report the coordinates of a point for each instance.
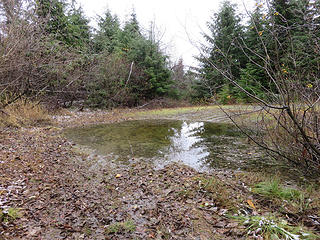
(107, 34)
(253, 77)
(65, 23)
(222, 50)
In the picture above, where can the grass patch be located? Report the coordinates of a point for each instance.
(10, 215)
(291, 199)
(121, 227)
(217, 190)
(251, 178)
(273, 189)
(171, 111)
(23, 113)
(271, 227)
(183, 110)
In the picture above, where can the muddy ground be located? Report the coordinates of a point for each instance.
(52, 189)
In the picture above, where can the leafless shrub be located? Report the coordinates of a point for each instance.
(286, 123)
(32, 63)
(113, 81)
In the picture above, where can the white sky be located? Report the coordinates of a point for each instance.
(179, 21)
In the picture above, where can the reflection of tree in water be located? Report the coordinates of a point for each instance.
(228, 150)
(186, 145)
(204, 145)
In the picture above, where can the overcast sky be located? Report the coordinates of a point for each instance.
(179, 21)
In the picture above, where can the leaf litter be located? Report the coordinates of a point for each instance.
(62, 193)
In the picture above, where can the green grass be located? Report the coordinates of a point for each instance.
(294, 200)
(121, 227)
(10, 215)
(182, 110)
(272, 228)
(273, 189)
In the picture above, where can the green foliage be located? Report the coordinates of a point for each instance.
(296, 53)
(10, 215)
(106, 37)
(273, 189)
(200, 91)
(147, 55)
(64, 22)
(113, 86)
(291, 198)
(271, 228)
(58, 58)
(78, 29)
(222, 49)
(251, 79)
(121, 227)
(132, 45)
(278, 46)
(226, 96)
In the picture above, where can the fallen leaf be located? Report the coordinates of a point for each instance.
(251, 204)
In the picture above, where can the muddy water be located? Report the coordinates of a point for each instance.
(201, 145)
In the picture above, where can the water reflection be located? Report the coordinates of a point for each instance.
(185, 146)
(201, 145)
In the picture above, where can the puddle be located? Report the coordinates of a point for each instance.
(201, 145)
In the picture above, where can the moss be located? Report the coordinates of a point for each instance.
(10, 215)
(121, 227)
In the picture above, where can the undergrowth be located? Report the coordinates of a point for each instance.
(271, 228)
(23, 113)
(273, 189)
(217, 190)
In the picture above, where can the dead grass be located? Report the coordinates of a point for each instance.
(218, 190)
(23, 113)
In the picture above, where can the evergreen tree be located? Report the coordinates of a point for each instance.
(78, 28)
(132, 25)
(143, 53)
(70, 27)
(222, 50)
(147, 55)
(295, 44)
(254, 78)
(106, 37)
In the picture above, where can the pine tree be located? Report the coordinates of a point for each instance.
(78, 29)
